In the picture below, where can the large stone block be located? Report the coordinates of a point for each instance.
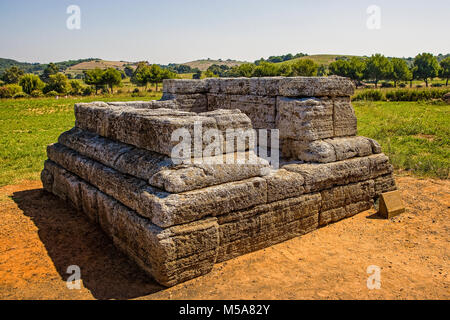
(153, 129)
(261, 110)
(233, 86)
(344, 118)
(266, 225)
(337, 214)
(327, 175)
(283, 184)
(316, 87)
(185, 86)
(196, 102)
(305, 119)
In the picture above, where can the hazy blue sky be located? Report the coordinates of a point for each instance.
(166, 31)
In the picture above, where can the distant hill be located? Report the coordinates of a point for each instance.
(204, 64)
(39, 67)
(97, 63)
(320, 59)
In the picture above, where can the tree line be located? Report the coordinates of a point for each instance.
(14, 82)
(376, 68)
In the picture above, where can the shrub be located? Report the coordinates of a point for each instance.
(402, 85)
(87, 91)
(20, 95)
(136, 90)
(437, 85)
(52, 94)
(36, 94)
(9, 90)
(31, 82)
(416, 95)
(369, 95)
(387, 85)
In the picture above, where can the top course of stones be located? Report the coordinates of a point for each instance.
(271, 86)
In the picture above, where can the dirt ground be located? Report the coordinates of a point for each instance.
(40, 237)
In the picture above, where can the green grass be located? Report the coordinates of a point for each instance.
(27, 126)
(415, 135)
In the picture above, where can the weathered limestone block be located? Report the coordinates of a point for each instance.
(344, 118)
(347, 148)
(170, 255)
(162, 208)
(265, 86)
(246, 231)
(196, 102)
(384, 184)
(282, 184)
(152, 129)
(305, 119)
(185, 86)
(233, 86)
(337, 214)
(316, 87)
(314, 151)
(261, 110)
(152, 104)
(324, 176)
(171, 209)
(342, 196)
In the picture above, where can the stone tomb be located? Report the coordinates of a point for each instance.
(176, 220)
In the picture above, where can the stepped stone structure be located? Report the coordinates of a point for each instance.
(177, 219)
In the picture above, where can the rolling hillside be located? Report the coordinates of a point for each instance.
(203, 65)
(320, 59)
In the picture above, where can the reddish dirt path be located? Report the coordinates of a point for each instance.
(40, 237)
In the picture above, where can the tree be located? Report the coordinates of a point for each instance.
(378, 67)
(58, 83)
(112, 77)
(400, 71)
(141, 76)
(128, 71)
(445, 69)
(31, 82)
(50, 70)
(305, 67)
(245, 70)
(197, 75)
(12, 75)
(76, 88)
(340, 68)
(426, 66)
(357, 69)
(266, 69)
(94, 77)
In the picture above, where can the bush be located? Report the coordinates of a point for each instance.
(416, 95)
(20, 95)
(387, 85)
(402, 85)
(437, 85)
(36, 94)
(369, 95)
(136, 90)
(10, 90)
(87, 91)
(52, 94)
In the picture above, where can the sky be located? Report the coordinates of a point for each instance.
(176, 31)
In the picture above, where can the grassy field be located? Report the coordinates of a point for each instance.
(414, 134)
